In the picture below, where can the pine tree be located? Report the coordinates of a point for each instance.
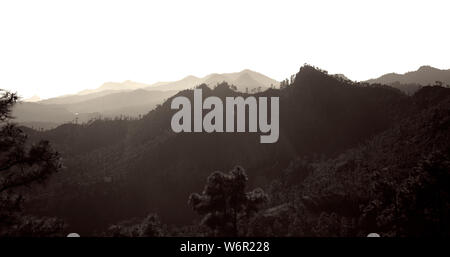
(225, 203)
(22, 165)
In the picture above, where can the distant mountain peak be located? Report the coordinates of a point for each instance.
(427, 68)
(128, 82)
(247, 71)
(190, 77)
(34, 98)
(244, 75)
(409, 82)
(244, 80)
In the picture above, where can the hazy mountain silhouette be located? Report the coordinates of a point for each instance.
(127, 98)
(186, 82)
(122, 168)
(34, 98)
(81, 108)
(410, 82)
(126, 85)
(245, 79)
(76, 98)
(133, 103)
(46, 116)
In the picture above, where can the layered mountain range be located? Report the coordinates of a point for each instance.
(133, 99)
(125, 99)
(338, 139)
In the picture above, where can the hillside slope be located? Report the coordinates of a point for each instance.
(121, 169)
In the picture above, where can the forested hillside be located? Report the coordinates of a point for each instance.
(351, 158)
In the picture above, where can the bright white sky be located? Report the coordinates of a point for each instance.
(58, 47)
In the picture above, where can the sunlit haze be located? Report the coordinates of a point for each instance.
(51, 48)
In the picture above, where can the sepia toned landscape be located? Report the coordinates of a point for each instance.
(352, 158)
(197, 121)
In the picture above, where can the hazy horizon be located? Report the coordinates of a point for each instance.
(158, 84)
(54, 48)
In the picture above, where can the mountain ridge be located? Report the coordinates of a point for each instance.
(411, 81)
(190, 81)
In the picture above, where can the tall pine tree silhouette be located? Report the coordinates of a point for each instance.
(22, 165)
(224, 201)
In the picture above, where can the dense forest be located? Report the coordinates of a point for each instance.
(352, 158)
